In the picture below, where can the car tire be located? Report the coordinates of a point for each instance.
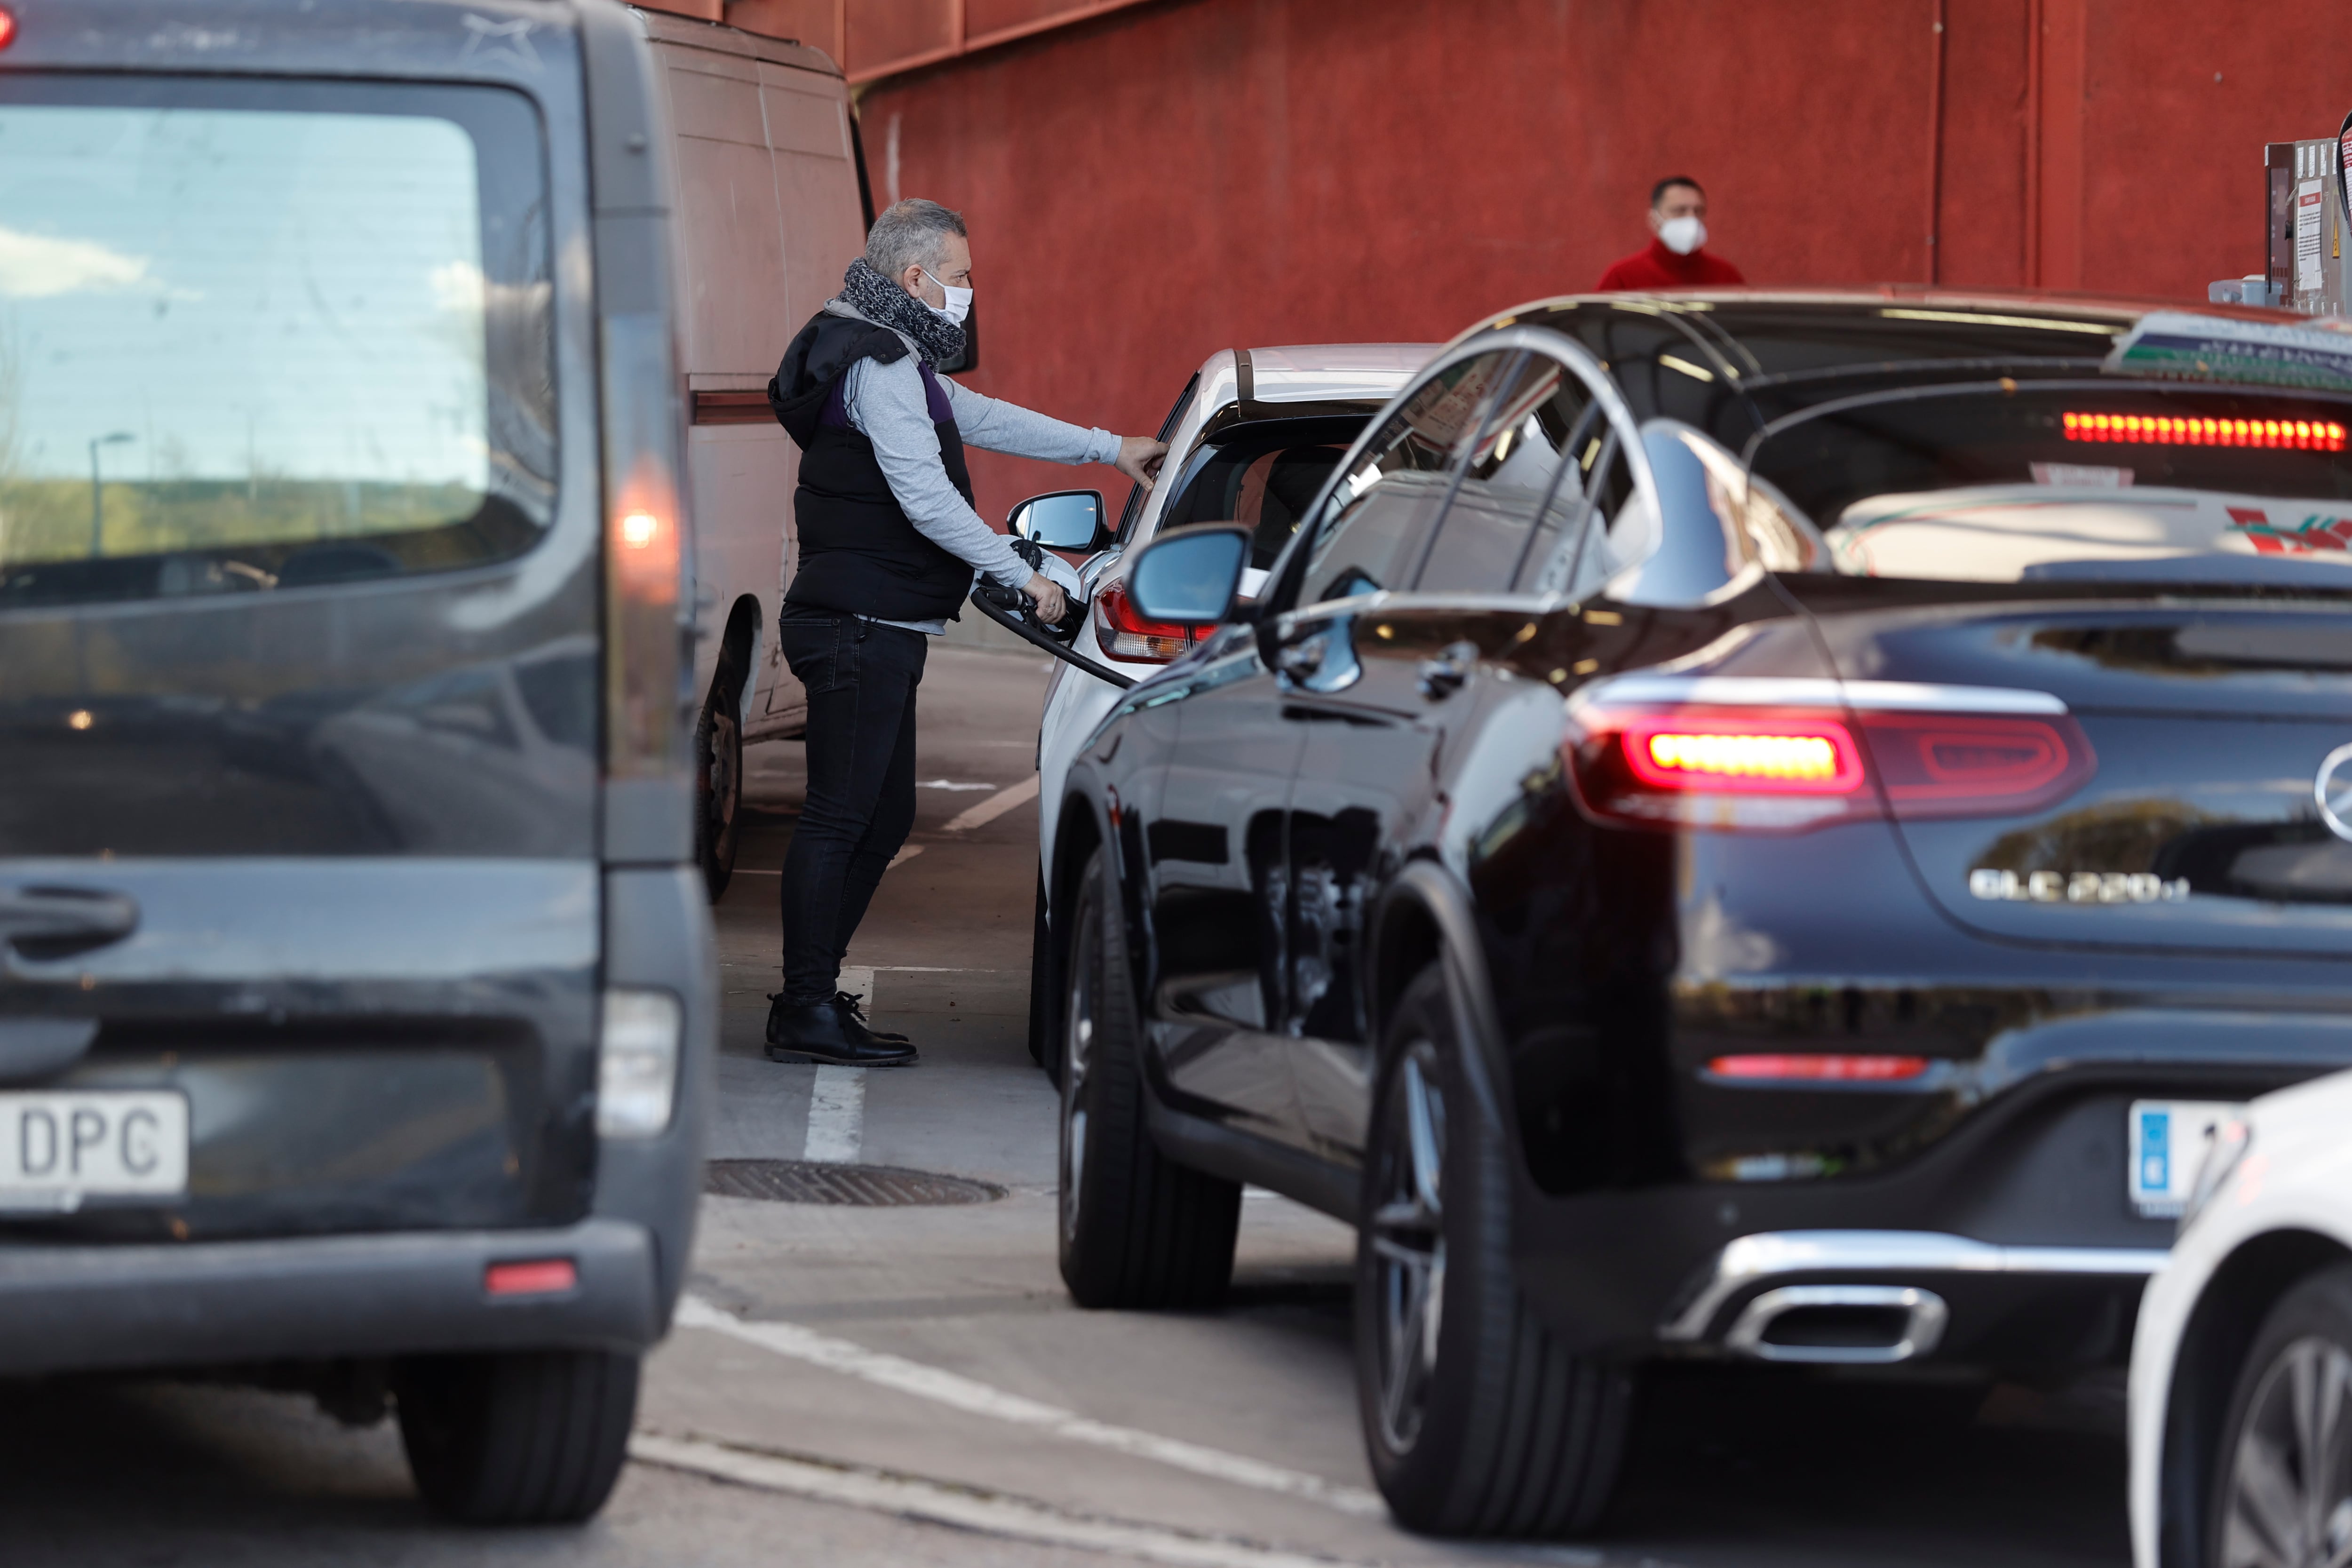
(1478, 1422)
(718, 778)
(2264, 1467)
(1136, 1229)
(1041, 990)
(517, 1437)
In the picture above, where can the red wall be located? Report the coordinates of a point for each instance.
(1197, 175)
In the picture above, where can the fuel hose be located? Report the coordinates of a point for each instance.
(991, 601)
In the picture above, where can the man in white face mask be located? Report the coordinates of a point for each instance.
(888, 547)
(1677, 256)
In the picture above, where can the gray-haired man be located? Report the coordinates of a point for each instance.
(888, 543)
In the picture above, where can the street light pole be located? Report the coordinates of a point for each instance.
(96, 495)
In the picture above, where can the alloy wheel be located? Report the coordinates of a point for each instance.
(2290, 1488)
(1407, 1233)
(1077, 1056)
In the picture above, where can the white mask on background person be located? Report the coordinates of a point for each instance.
(1682, 235)
(958, 303)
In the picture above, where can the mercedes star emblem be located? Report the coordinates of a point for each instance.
(2333, 791)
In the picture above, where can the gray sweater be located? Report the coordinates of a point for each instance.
(886, 407)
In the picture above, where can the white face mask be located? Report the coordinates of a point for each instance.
(1682, 235)
(958, 303)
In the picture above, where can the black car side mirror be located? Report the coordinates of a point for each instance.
(1190, 578)
(1065, 520)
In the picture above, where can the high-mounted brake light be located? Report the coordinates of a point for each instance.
(1819, 1069)
(2168, 430)
(1125, 635)
(1781, 769)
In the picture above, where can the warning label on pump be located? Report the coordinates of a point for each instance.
(2208, 348)
(2309, 212)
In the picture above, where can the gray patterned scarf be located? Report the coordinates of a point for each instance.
(878, 299)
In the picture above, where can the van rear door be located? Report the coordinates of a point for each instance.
(299, 673)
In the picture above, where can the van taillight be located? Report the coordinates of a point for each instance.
(1786, 769)
(1124, 635)
(648, 564)
(7, 28)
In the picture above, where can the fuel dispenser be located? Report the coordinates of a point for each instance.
(2305, 208)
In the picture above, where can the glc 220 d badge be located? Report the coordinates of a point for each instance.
(2076, 886)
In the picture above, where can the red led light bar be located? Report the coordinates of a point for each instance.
(2169, 430)
(1821, 1068)
(1765, 756)
(539, 1277)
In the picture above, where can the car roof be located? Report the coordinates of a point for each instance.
(1780, 329)
(1322, 375)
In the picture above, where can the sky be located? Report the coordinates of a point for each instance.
(295, 294)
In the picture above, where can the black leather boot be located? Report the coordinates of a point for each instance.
(829, 1034)
(856, 1006)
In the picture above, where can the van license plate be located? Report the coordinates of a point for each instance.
(2168, 1143)
(58, 1149)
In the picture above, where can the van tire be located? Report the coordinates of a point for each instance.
(718, 778)
(1138, 1229)
(519, 1437)
(1503, 1431)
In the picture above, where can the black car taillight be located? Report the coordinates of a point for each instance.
(1125, 635)
(1785, 769)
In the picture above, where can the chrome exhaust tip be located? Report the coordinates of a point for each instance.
(1840, 1325)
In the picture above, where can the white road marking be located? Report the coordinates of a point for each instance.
(989, 1513)
(837, 1119)
(949, 784)
(995, 806)
(836, 1116)
(960, 1392)
(903, 856)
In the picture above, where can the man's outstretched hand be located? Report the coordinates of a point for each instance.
(1140, 458)
(1051, 605)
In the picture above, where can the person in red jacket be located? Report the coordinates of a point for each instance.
(1676, 258)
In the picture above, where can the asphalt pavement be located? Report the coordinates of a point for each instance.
(909, 1385)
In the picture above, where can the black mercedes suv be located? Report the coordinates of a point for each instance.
(1740, 826)
(356, 982)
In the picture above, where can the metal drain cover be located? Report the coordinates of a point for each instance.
(813, 1182)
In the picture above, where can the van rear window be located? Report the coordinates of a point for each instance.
(267, 336)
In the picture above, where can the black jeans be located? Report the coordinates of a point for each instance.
(861, 682)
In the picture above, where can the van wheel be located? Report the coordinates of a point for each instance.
(717, 778)
(518, 1438)
(1138, 1229)
(1477, 1421)
(2281, 1490)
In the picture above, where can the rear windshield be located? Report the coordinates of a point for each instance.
(256, 336)
(2092, 481)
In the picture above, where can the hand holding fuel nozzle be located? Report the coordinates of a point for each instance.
(1056, 598)
(1048, 595)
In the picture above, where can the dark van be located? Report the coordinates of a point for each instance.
(356, 978)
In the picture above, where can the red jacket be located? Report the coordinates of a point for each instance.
(1658, 267)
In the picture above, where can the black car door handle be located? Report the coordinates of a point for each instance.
(58, 922)
(1442, 673)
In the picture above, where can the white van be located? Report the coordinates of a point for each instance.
(772, 204)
